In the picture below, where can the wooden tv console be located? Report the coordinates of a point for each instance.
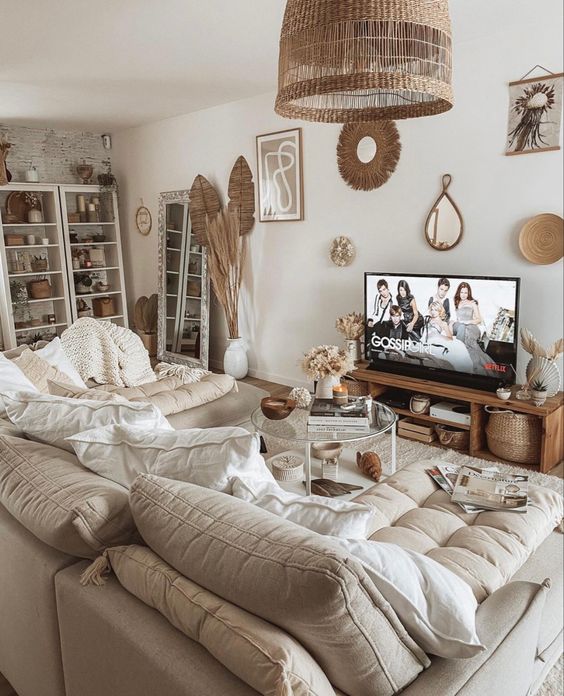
(551, 413)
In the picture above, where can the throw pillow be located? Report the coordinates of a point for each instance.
(73, 392)
(38, 371)
(55, 355)
(260, 654)
(12, 379)
(211, 458)
(437, 608)
(285, 574)
(339, 518)
(51, 419)
(61, 503)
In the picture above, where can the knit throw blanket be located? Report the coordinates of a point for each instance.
(107, 353)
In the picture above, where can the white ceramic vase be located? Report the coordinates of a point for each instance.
(235, 361)
(538, 397)
(352, 347)
(324, 389)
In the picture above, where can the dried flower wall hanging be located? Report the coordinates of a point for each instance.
(342, 251)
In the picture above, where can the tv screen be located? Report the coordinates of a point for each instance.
(457, 329)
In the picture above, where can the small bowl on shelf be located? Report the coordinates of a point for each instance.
(103, 287)
(326, 450)
(276, 409)
(503, 393)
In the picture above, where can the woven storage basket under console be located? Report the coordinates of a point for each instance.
(451, 436)
(514, 436)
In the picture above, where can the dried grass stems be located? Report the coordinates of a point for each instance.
(227, 251)
(351, 326)
(530, 344)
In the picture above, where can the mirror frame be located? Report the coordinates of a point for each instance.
(164, 355)
(447, 180)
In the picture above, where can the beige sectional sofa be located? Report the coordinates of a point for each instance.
(59, 638)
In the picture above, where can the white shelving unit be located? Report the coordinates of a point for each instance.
(19, 324)
(83, 236)
(51, 316)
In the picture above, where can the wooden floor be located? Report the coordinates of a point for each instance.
(282, 391)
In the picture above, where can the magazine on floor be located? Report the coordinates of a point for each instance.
(492, 490)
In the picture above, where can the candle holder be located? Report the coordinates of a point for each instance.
(340, 394)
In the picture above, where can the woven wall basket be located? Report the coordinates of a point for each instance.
(364, 60)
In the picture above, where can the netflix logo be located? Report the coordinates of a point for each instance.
(495, 367)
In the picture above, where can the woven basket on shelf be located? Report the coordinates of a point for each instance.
(514, 436)
(355, 387)
(453, 437)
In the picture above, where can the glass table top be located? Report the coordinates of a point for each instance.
(294, 427)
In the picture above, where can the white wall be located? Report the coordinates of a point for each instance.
(293, 293)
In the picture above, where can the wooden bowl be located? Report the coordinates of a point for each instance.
(277, 409)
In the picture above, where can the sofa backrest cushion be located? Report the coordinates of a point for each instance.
(51, 419)
(60, 502)
(259, 653)
(284, 574)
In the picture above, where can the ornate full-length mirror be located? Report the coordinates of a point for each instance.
(184, 286)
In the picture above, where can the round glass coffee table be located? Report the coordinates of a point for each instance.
(293, 429)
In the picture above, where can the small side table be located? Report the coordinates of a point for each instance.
(294, 431)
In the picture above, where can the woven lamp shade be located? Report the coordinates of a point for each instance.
(344, 61)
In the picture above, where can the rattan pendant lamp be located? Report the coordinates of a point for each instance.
(344, 61)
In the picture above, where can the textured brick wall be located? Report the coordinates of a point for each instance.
(54, 153)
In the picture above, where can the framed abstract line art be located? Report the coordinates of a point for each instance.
(280, 176)
(535, 115)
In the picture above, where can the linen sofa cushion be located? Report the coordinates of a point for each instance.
(171, 396)
(210, 458)
(38, 371)
(284, 574)
(484, 549)
(55, 355)
(12, 379)
(63, 504)
(51, 419)
(259, 653)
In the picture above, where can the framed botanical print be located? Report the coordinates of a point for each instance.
(535, 115)
(280, 176)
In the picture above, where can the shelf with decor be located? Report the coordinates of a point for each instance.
(35, 302)
(94, 255)
(544, 423)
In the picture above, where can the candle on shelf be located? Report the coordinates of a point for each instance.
(81, 203)
(340, 394)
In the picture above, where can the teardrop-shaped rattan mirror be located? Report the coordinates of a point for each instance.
(444, 227)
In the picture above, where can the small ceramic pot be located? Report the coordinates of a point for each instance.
(503, 393)
(324, 389)
(34, 216)
(538, 397)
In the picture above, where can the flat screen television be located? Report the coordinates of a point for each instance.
(457, 329)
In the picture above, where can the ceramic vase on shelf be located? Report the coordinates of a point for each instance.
(34, 216)
(538, 397)
(324, 388)
(235, 361)
(352, 347)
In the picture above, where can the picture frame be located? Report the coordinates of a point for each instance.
(280, 176)
(535, 114)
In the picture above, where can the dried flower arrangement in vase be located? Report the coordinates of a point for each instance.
(326, 364)
(352, 327)
(146, 321)
(542, 368)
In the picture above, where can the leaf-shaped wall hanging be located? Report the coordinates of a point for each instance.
(444, 226)
(204, 202)
(242, 195)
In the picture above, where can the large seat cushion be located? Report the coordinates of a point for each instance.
(259, 653)
(484, 549)
(171, 396)
(284, 574)
(61, 502)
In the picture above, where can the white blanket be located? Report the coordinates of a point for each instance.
(107, 353)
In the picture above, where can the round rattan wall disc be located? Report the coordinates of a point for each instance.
(366, 176)
(542, 239)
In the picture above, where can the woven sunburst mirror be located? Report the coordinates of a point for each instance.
(373, 171)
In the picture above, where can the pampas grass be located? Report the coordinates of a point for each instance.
(227, 251)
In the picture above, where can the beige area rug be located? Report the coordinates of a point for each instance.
(553, 685)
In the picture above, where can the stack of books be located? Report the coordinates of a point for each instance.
(327, 417)
(478, 490)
